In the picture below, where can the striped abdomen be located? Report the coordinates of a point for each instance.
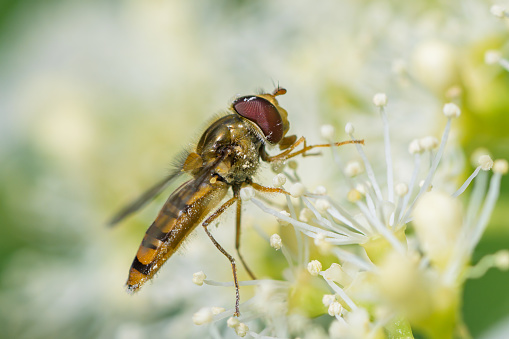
(181, 213)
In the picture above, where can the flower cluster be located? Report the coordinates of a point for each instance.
(401, 250)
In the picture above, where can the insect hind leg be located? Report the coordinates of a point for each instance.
(207, 222)
(237, 234)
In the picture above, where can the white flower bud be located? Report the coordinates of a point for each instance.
(415, 147)
(328, 299)
(361, 188)
(232, 322)
(279, 180)
(247, 193)
(349, 129)
(380, 99)
(322, 205)
(401, 189)
(428, 143)
(217, 310)
(327, 132)
(354, 195)
(275, 241)
(297, 190)
(335, 309)
(451, 110)
(492, 57)
(320, 190)
(241, 329)
(281, 221)
(498, 11)
(203, 316)
(353, 168)
(199, 277)
(500, 166)
(305, 214)
(314, 267)
(485, 162)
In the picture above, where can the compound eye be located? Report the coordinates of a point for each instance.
(262, 113)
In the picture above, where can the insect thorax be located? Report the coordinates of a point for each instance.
(237, 136)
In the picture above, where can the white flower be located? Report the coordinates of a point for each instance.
(349, 128)
(500, 166)
(327, 132)
(279, 180)
(241, 329)
(485, 162)
(275, 241)
(297, 190)
(335, 309)
(314, 267)
(233, 322)
(199, 277)
(382, 269)
(380, 99)
(353, 168)
(451, 110)
(203, 316)
(328, 299)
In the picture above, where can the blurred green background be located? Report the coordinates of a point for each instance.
(97, 97)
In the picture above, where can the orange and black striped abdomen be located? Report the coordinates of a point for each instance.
(181, 213)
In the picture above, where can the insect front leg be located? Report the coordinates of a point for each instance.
(207, 222)
(289, 153)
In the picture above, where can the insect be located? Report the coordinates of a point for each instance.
(227, 156)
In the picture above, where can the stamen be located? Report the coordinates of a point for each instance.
(346, 256)
(369, 170)
(388, 159)
(436, 161)
(381, 228)
(467, 182)
(308, 230)
(487, 209)
(341, 294)
(337, 212)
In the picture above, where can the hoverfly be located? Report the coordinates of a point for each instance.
(227, 156)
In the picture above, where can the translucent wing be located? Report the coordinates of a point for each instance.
(151, 193)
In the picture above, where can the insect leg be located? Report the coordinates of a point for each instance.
(210, 219)
(265, 189)
(288, 153)
(237, 235)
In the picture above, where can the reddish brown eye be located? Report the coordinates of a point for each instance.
(263, 113)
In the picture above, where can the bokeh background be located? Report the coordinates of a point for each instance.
(97, 97)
